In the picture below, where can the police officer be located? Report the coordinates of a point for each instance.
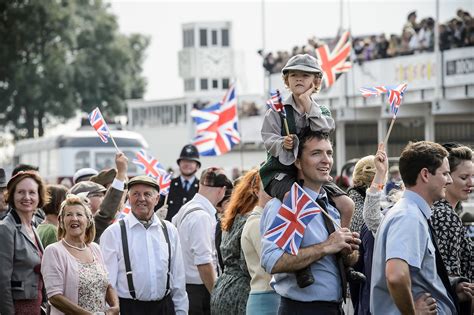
(185, 186)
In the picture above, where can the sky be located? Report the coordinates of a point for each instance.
(269, 24)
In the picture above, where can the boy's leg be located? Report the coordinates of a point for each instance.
(280, 185)
(345, 205)
(342, 202)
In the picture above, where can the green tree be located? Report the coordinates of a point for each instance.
(59, 56)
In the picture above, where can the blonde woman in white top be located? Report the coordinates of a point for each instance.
(263, 300)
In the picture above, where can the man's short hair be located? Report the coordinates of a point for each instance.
(24, 168)
(307, 134)
(215, 177)
(418, 155)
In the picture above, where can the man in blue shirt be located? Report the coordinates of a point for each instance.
(406, 263)
(319, 246)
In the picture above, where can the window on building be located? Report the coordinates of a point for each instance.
(214, 38)
(225, 37)
(203, 37)
(82, 160)
(225, 83)
(204, 85)
(188, 38)
(189, 85)
(215, 84)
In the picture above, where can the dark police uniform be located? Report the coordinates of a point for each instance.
(178, 196)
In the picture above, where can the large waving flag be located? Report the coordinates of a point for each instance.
(394, 94)
(98, 122)
(217, 126)
(337, 61)
(287, 229)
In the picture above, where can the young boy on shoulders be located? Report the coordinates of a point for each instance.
(302, 75)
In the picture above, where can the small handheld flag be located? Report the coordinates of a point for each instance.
(276, 104)
(98, 123)
(288, 227)
(147, 163)
(164, 181)
(394, 97)
(394, 94)
(122, 213)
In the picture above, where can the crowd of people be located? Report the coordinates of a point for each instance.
(280, 239)
(415, 37)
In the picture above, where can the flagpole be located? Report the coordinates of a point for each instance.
(389, 131)
(113, 141)
(285, 122)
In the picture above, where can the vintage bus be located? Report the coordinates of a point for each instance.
(59, 157)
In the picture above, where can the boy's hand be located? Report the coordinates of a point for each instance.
(288, 142)
(305, 98)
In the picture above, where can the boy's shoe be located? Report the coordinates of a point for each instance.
(355, 276)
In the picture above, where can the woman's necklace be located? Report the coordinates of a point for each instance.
(75, 247)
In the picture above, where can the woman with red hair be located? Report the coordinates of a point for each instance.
(232, 288)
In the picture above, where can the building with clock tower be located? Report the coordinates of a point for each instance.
(207, 65)
(206, 61)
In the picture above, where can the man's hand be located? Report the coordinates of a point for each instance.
(342, 239)
(113, 311)
(465, 291)
(305, 98)
(162, 212)
(121, 161)
(288, 143)
(425, 304)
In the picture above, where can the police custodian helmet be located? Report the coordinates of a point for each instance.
(189, 152)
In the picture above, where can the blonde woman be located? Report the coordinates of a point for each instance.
(73, 270)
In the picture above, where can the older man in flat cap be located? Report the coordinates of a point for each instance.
(143, 256)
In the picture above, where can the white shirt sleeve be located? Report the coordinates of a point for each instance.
(178, 275)
(108, 246)
(118, 184)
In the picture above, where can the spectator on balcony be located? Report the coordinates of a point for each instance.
(410, 26)
(393, 45)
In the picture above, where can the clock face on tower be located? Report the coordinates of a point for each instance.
(215, 62)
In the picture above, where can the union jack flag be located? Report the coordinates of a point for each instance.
(97, 121)
(217, 126)
(335, 62)
(394, 94)
(295, 213)
(147, 163)
(276, 104)
(164, 180)
(122, 213)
